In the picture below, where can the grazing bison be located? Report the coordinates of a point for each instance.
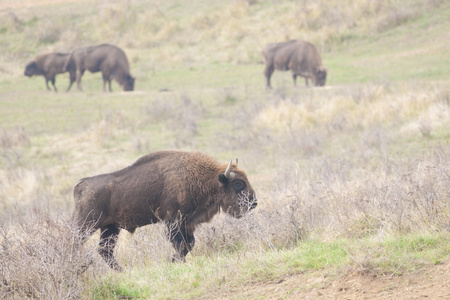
(48, 65)
(182, 189)
(301, 57)
(108, 59)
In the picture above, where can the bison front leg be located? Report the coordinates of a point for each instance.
(106, 80)
(182, 241)
(268, 71)
(108, 240)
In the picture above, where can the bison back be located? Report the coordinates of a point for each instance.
(156, 187)
(106, 58)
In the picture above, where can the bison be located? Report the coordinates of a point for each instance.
(181, 189)
(301, 57)
(48, 65)
(109, 59)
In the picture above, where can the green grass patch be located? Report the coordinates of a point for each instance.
(224, 271)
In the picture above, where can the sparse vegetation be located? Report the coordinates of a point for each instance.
(352, 177)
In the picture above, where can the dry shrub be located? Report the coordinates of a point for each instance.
(19, 188)
(364, 108)
(396, 17)
(12, 138)
(148, 245)
(339, 197)
(178, 114)
(39, 258)
(11, 143)
(275, 223)
(404, 196)
(9, 21)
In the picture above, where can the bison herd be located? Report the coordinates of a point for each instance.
(105, 58)
(181, 189)
(301, 57)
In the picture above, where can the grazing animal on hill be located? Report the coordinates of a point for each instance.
(48, 65)
(105, 58)
(301, 57)
(182, 189)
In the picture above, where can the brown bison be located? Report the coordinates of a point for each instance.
(301, 57)
(105, 58)
(48, 65)
(182, 189)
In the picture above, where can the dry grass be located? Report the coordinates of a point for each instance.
(40, 259)
(337, 164)
(229, 32)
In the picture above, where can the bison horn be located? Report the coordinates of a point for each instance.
(228, 174)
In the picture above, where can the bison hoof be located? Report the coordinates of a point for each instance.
(178, 259)
(116, 267)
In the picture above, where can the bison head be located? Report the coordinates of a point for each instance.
(320, 76)
(239, 196)
(31, 69)
(128, 84)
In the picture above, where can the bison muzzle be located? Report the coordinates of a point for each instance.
(181, 189)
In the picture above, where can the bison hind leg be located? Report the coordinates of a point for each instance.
(108, 240)
(54, 86)
(46, 83)
(294, 77)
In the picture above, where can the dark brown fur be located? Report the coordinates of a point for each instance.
(105, 58)
(182, 189)
(301, 57)
(48, 65)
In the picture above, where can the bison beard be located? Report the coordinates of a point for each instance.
(181, 189)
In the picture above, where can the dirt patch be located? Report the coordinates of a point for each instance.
(429, 282)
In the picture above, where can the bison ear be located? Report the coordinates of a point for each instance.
(223, 179)
(228, 175)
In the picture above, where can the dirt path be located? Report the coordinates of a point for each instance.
(430, 282)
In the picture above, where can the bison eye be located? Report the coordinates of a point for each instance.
(238, 186)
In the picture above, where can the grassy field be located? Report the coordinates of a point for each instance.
(353, 177)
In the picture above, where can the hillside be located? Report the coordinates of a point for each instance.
(352, 178)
